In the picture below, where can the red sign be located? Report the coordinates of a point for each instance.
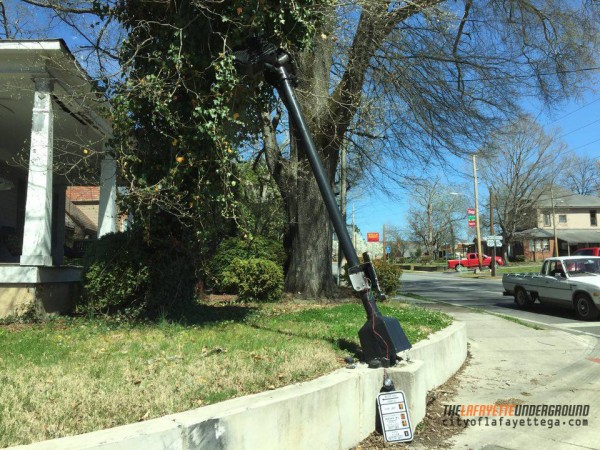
(372, 237)
(471, 217)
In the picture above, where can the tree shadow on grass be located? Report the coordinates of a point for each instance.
(205, 314)
(351, 347)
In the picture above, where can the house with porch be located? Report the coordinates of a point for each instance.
(52, 136)
(571, 218)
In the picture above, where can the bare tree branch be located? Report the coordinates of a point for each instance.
(7, 33)
(60, 6)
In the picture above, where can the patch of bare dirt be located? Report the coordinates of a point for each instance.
(430, 433)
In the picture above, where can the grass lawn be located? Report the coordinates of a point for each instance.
(71, 376)
(524, 268)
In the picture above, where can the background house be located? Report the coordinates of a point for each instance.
(574, 219)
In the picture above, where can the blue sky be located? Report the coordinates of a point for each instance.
(579, 125)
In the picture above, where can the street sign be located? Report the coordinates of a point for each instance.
(494, 241)
(395, 420)
(471, 217)
(372, 237)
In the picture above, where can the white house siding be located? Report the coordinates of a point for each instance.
(576, 219)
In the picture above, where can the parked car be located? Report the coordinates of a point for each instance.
(590, 251)
(569, 282)
(471, 260)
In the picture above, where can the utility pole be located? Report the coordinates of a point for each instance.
(384, 246)
(492, 232)
(554, 220)
(477, 212)
(343, 187)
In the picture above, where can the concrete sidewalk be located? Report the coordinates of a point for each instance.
(514, 364)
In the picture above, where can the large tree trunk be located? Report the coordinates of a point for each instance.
(308, 239)
(328, 114)
(309, 244)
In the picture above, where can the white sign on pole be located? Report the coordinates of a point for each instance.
(494, 241)
(488, 238)
(395, 420)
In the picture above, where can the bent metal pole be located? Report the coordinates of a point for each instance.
(381, 337)
(286, 91)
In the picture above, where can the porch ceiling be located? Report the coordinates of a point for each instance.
(77, 122)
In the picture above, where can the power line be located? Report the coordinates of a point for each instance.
(580, 128)
(585, 145)
(573, 112)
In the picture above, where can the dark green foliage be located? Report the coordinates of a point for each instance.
(116, 276)
(388, 276)
(237, 247)
(519, 258)
(181, 111)
(254, 279)
(125, 276)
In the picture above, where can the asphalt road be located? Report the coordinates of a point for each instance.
(486, 294)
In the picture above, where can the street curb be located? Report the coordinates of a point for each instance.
(333, 411)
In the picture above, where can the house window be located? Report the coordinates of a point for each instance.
(547, 222)
(593, 219)
(539, 245)
(562, 218)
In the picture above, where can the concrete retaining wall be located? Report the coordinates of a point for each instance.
(335, 411)
(443, 352)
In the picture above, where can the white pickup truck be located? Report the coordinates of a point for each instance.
(569, 282)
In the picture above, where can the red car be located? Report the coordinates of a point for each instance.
(590, 251)
(472, 261)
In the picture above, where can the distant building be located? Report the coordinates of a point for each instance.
(575, 218)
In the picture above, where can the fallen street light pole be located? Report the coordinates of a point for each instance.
(381, 337)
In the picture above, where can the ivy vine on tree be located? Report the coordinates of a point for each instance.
(181, 112)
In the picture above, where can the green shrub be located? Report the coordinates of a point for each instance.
(388, 276)
(116, 275)
(124, 276)
(519, 258)
(253, 279)
(237, 247)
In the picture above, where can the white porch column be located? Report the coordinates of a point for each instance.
(37, 237)
(107, 214)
